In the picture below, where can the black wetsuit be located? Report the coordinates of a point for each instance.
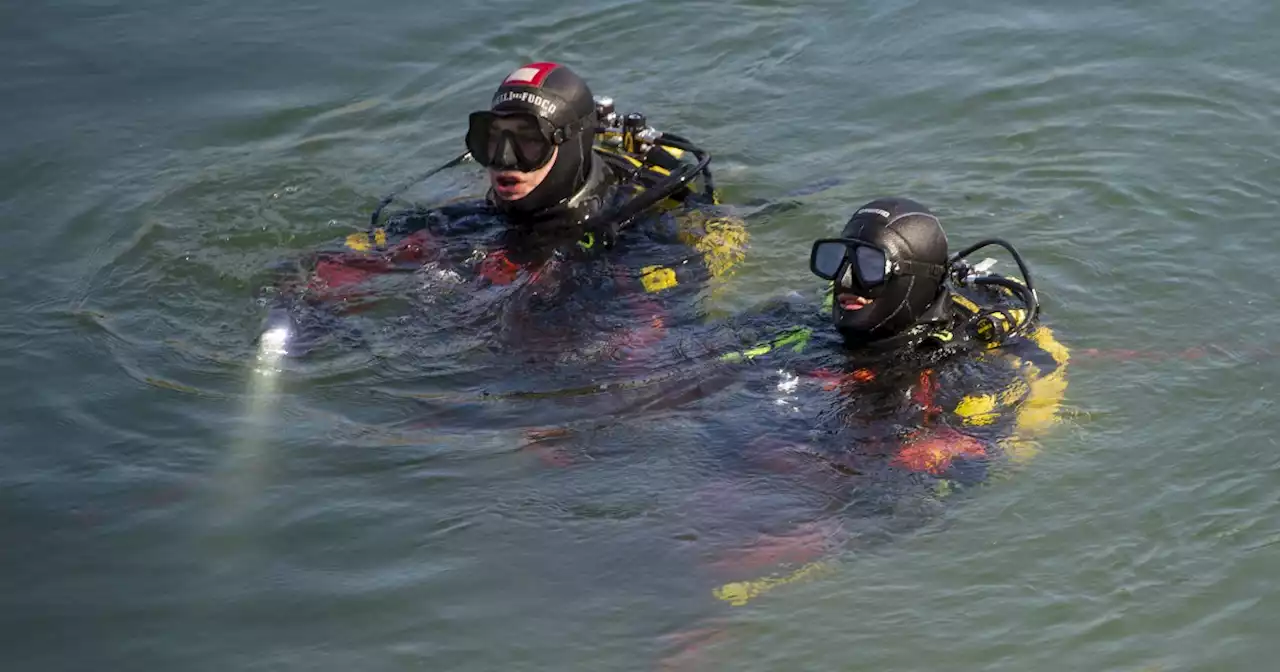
(950, 372)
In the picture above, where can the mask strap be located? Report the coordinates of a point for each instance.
(931, 271)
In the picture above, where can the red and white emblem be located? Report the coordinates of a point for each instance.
(530, 75)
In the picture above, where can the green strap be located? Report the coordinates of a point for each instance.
(796, 337)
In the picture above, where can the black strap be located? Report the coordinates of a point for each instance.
(386, 200)
(919, 268)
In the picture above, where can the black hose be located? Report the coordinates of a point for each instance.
(681, 142)
(1023, 292)
(628, 211)
(1017, 258)
(386, 200)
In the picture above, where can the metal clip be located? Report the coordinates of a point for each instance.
(964, 274)
(647, 137)
(605, 113)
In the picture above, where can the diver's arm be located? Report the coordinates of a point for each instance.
(336, 275)
(311, 293)
(647, 322)
(1028, 407)
(655, 291)
(1045, 373)
(407, 240)
(772, 329)
(717, 242)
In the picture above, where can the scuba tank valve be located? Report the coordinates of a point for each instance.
(1002, 324)
(606, 116)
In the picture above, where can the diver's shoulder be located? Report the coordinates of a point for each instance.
(1036, 353)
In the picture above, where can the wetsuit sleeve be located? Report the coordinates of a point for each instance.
(1026, 407)
(712, 246)
(661, 294)
(337, 275)
(720, 241)
(407, 240)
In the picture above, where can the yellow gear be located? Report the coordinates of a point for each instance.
(1035, 395)
(741, 592)
(722, 241)
(657, 278)
(360, 242)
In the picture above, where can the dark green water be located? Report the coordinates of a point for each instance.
(158, 511)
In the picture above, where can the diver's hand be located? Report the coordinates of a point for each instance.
(336, 275)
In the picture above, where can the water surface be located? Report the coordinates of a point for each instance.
(160, 512)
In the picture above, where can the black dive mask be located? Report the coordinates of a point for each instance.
(863, 266)
(516, 140)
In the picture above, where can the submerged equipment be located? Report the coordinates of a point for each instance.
(965, 274)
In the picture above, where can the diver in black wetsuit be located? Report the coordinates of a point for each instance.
(921, 375)
(570, 181)
(936, 374)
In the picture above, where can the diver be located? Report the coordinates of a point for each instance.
(570, 182)
(924, 375)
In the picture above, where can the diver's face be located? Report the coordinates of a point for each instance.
(858, 309)
(850, 298)
(852, 310)
(854, 305)
(513, 185)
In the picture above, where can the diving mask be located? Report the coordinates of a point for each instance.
(515, 140)
(865, 266)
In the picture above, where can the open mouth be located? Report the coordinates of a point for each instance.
(507, 180)
(853, 301)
